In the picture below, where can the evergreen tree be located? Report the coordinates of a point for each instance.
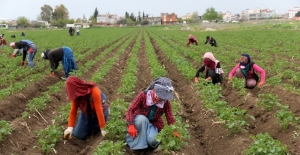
(96, 13)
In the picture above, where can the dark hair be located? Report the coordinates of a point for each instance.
(207, 37)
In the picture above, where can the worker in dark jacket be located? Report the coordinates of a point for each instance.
(211, 41)
(24, 47)
(63, 54)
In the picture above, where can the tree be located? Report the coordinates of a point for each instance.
(143, 15)
(139, 17)
(126, 15)
(132, 17)
(60, 12)
(192, 17)
(22, 21)
(211, 14)
(46, 12)
(297, 14)
(96, 13)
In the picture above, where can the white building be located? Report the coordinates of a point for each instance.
(293, 12)
(227, 16)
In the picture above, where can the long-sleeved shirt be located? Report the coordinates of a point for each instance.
(255, 67)
(54, 57)
(211, 41)
(22, 45)
(139, 107)
(96, 107)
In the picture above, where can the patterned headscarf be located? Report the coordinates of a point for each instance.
(245, 66)
(162, 87)
(78, 90)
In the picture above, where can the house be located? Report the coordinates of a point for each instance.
(293, 12)
(258, 14)
(40, 22)
(227, 16)
(168, 18)
(107, 19)
(153, 20)
(187, 16)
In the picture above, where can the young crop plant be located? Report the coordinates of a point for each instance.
(239, 84)
(110, 148)
(5, 129)
(286, 117)
(234, 119)
(48, 137)
(169, 141)
(116, 124)
(264, 144)
(268, 101)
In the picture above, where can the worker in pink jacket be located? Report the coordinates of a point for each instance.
(248, 70)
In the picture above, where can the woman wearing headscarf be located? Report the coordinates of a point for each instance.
(63, 54)
(24, 47)
(247, 69)
(192, 40)
(144, 115)
(211, 68)
(93, 109)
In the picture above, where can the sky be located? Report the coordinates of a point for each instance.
(12, 9)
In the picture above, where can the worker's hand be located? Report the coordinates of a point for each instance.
(229, 80)
(260, 84)
(52, 74)
(132, 131)
(22, 63)
(196, 80)
(30, 50)
(68, 133)
(12, 56)
(103, 133)
(177, 134)
(63, 78)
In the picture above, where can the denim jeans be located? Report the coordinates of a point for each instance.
(31, 55)
(146, 134)
(89, 125)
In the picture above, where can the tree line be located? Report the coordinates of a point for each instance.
(59, 17)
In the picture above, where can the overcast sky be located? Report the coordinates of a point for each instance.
(12, 9)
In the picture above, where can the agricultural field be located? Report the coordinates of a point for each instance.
(212, 120)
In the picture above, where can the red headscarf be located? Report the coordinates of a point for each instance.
(209, 63)
(78, 90)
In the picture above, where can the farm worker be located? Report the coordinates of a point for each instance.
(24, 47)
(192, 40)
(144, 115)
(247, 69)
(211, 41)
(63, 54)
(2, 40)
(93, 109)
(70, 31)
(77, 31)
(212, 69)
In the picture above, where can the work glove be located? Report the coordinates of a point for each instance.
(68, 133)
(229, 80)
(52, 74)
(22, 63)
(196, 79)
(12, 56)
(103, 133)
(177, 134)
(260, 84)
(132, 131)
(30, 50)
